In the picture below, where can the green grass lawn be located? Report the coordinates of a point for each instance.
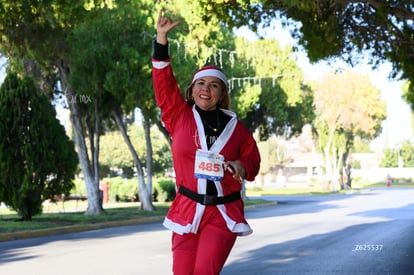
(384, 184)
(57, 216)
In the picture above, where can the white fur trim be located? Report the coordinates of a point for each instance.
(160, 64)
(210, 72)
(176, 227)
(242, 229)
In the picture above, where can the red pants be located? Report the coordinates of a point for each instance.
(204, 252)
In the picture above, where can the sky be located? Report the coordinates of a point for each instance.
(397, 128)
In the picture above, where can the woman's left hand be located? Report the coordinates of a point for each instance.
(236, 168)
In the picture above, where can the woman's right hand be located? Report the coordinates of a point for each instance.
(164, 25)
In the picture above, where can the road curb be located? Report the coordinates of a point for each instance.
(75, 228)
(270, 203)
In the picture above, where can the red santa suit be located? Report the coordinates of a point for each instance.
(185, 126)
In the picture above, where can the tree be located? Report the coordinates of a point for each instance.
(111, 64)
(115, 152)
(390, 158)
(347, 106)
(326, 28)
(404, 155)
(37, 159)
(40, 32)
(274, 100)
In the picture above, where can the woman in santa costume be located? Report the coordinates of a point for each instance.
(212, 153)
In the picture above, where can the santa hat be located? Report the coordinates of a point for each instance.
(210, 70)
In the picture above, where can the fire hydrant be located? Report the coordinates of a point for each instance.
(104, 187)
(389, 181)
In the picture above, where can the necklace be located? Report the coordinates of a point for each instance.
(214, 129)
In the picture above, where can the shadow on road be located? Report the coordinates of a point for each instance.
(12, 251)
(338, 252)
(306, 256)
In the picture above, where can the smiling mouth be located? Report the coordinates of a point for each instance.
(204, 97)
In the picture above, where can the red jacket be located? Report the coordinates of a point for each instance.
(235, 143)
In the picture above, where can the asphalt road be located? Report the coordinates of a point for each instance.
(363, 233)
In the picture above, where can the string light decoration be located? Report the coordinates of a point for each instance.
(217, 56)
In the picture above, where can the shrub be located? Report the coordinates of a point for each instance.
(167, 187)
(123, 189)
(120, 189)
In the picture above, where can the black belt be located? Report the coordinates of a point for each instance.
(208, 199)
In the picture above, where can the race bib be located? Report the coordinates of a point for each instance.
(208, 165)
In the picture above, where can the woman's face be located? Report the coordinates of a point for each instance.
(208, 92)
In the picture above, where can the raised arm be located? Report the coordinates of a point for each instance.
(167, 93)
(164, 25)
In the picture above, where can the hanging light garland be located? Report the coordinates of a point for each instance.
(217, 56)
(214, 54)
(256, 80)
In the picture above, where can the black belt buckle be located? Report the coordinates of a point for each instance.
(209, 200)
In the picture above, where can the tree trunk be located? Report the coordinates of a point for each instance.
(346, 161)
(146, 200)
(346, 172)
(95, 134)
(337, 158)
(146, 193)
(348, 176)
(330, 160)
(93, 145)
(92, 189)
(312, 143)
